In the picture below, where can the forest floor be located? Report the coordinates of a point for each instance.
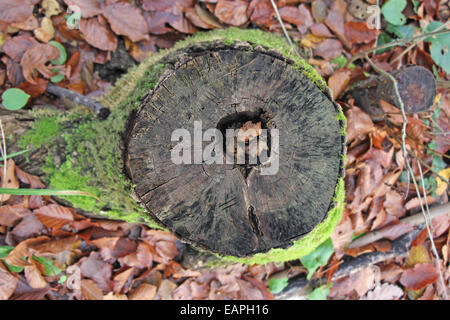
(49, 251)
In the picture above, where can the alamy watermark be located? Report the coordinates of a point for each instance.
(244, 146)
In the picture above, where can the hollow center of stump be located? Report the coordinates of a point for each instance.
(246, 136)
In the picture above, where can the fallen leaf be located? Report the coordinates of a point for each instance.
(329, 49)
(126, 19)
(10, 215)
(88, 8)
(24, 250)
(358, 32)
(145, 291)
(260, 12)
(46, 31)
(54, 216)
(97, 270)
(90, 290)
(34, 90)
(339, 81)
(232, 12)
(419, 277)
(8, 282)
(36, 58)
(34, 277)
(9, 180)
(385, 291)
(359, 124)
(12, 11)
(98, 34)
(122, 281)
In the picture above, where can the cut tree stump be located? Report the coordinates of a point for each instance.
(416, 85)
(227, 80)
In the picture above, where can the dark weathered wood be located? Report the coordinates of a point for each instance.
(220, 207)
(416, 85)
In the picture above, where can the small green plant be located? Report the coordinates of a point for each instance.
(49, 268)
(392, 12)
(46, 192)
(320, 293)
(14, 99)
(62, 53)
(276, 285)
(440, 46)
(4, 252)
(318, 258)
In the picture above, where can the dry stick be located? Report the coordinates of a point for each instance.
(408, 165)
(280, 21)
(397, 43)
(413, 221)
(95, 106)
(3, 152)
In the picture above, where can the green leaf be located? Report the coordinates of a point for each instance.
(320, 293)
(57, 78)
(62, 53)
(318, 258)
(49, 267)
(403, 32)
(5, 250)
(392, 12)
(15, 99)
(63, 279)
(277, 285)
(383, 38)
(440, 53)
(438, 163)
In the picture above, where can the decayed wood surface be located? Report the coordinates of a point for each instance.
(416, 86)
(216, 207)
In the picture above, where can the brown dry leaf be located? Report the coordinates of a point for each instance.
(419, 277)
(46, 31)
(24, 249)
(339, 81)
(15, 47)
(343, 233)
(393, 204)
(10, 215)
(98, 270)
(232, 12)
(388, 182)
(415, 202)
(51, 7)
(54, 216)
(16, 10)
(33, 181)
(440, 225)
(112, 248)
(360, 282)
(126, 19)
(98, 34)
(122, 281)
(335, 21)
(393, 113)
(36, 58)
(395, 230)
(34, 90)
(193, 16)
(385, 291)
(359, 124)
(207, 17)
(382, 246)
(260, 12)
(145, 291)
(321, 30)
(88, 8)
(358, 32)
(115, 296)
(90, 290)
(56, 246)
(329, 49)
(142, 258)
(9, 180)
(34, 277)
(28, 25)
(8, 282)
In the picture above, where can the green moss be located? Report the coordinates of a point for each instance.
(43, 132)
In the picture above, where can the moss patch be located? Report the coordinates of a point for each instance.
(43, 132)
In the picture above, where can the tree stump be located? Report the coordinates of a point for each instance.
(232, 79)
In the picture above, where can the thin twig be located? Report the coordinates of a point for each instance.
(397, 43)
(3, 151)
(280, 21)
(92, 104)
(413, 221)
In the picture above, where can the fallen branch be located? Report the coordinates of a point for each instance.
(413, 221)
(299, 287)
(92, 104)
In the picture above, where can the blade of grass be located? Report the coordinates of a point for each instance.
(9, 156)
(46, 192)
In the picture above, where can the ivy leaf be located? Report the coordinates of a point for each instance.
(277, 285)
(320, 293)
(62, 53)
(57, 77)
(49, 267)
(15, 99)
(318, 258)
(383, 38)
(392, 12)
(440, 53)
(403, 32)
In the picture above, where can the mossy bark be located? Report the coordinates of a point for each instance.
(74, 150)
